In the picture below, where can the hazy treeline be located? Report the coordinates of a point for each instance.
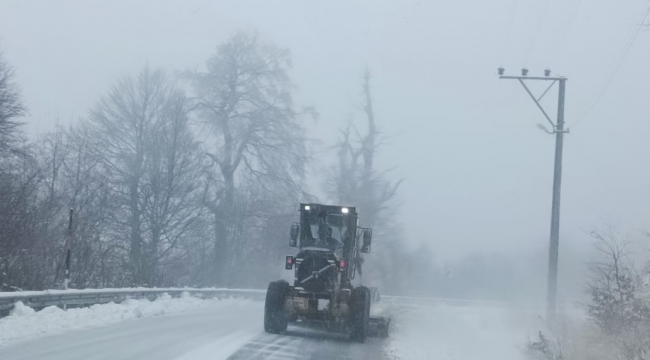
(191, 179)
(184, 180)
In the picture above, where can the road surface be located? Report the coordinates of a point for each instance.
(194, 329)
(213, 332)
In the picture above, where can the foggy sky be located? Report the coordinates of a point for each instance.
(478, 172)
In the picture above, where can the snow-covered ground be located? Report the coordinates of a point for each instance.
(24, 323)
(211, 329)
(446, 332)
(120, 290)
(191, 328)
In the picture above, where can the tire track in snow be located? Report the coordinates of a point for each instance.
(302, 341)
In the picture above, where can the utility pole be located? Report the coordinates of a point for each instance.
(558, 130)
(68, 252)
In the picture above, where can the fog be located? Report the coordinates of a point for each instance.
(478, 173)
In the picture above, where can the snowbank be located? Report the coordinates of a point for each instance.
(24, 323)
(461, 332)
(117, 290)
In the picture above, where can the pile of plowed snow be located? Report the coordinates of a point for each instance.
(24, 323)
(461, 332)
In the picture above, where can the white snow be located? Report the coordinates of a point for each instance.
(445, 332)
(214, 329)
(24, 323)
(118, 290)
(222, 347)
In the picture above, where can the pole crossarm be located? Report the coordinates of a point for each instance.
(537, 103)
(545, 91)
(532, 77)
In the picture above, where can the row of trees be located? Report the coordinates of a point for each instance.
(189, 182)
(184, 180)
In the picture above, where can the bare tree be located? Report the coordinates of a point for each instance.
(121, 122)
(355, 180)
(19, 189)
(19, 195)
(11, 108)
(245, 100)
(96, 254)
(141, 134)
(174, 186)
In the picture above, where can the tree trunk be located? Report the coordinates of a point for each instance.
(369, 143)
(135, 255)
(222, 221)
(152, 260)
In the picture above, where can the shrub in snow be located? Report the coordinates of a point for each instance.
(612, 289)
(613, 304)
(619, 312)
(21, 310)
(544, 348)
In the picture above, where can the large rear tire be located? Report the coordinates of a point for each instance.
(275, 318)
(359, 313)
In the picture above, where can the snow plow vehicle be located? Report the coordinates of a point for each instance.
(330, 245)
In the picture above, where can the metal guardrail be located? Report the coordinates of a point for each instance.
(77, 298)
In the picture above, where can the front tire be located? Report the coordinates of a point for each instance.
(275, 319)
(359, 313)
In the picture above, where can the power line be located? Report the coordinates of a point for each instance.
(566, 33)
(619, 55)
(618, 66)
(539, 27)
(512, 19)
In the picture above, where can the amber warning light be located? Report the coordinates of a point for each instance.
(288, 264)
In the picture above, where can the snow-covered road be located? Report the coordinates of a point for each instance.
(209, 332)
(227, 329)
(192, 329)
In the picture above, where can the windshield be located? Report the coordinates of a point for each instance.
(337, 226)
(327, 231)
